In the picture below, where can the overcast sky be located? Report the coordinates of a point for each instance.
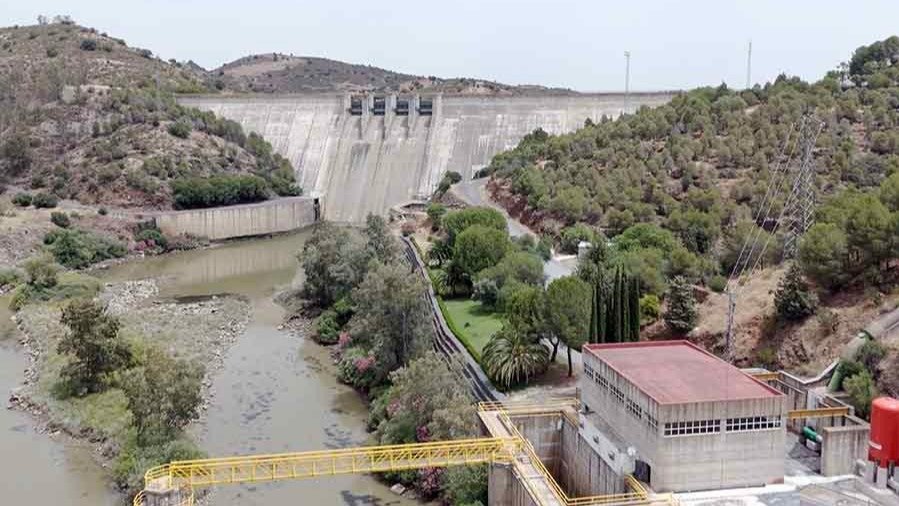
(574, 44)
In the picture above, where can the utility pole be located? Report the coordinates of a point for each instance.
(729, 335)
(749, 66)
(627, 80)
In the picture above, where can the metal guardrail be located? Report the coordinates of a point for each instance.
(797, 414)
(515, 450)
(446, 343)
(638, 495)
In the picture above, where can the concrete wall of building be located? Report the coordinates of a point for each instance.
(369, 163)
(641, 434)
(695, 461)
(842, 446)
(545, 435)
(582, 472)
(217, 223)
(504, 487)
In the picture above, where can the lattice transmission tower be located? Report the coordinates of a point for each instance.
(800, 203)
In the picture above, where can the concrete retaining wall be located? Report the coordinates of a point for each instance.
(843, 445)
(219, 223)
(369, 163)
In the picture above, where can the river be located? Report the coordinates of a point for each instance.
(274, 393)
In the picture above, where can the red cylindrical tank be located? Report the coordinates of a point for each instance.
(884, 444)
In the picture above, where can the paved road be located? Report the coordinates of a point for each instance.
(474, 193)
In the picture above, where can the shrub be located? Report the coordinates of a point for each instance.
(9, 277)
(223, 190)
(88, 45)
(870, 354)
(435, 214)
(717, 283)
(77, 249)
(52, 52)
(102, 211)
(572, 236)
(60, 219)
(22, 199)
(681, 314)
(180, 128)
(152, 238)
(327, 330)
(44, 200)
(650, 308)
(793, 300)
(862, 391)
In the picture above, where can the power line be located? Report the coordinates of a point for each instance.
(798, 210)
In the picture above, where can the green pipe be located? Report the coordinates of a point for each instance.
(810, 433)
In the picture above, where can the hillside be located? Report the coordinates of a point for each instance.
(86, 117)
(677, 190)
(279, 73)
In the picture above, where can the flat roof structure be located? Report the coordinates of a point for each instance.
(678, 372)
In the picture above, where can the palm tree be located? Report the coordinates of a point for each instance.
(512, 357)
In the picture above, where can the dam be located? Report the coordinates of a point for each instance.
(367, 153)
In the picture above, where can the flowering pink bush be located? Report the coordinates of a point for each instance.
(394, 407)
(429, 481)
(422, 434)
(344, 339)
(362, 364)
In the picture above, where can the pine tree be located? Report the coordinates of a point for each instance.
(793, 300)
(680, 315)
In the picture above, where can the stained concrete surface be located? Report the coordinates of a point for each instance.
(369, 163)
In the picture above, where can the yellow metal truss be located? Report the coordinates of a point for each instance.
(516, 450)
(797, 414)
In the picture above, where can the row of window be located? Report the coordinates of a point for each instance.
(694, 427)
(753, 423)
(632, 407)
(714, 426)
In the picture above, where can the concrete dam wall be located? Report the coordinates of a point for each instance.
(216, 223)
(368, 154)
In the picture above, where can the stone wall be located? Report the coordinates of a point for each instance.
(218, 223)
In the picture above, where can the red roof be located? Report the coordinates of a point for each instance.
(677, 372)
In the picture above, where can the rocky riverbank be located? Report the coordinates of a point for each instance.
(199, 330)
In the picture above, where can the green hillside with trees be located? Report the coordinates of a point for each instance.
(670, 194)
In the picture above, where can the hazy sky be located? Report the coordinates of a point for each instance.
(575, 44)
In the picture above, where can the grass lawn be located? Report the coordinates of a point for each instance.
(472, 321)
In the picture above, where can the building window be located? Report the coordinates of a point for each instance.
(634, 409)
(602, 381)
(651, 420)
(753, 423)
(588, 371)
(692, 428)
(619, 396)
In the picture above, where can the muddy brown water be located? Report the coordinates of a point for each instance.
(274, 393)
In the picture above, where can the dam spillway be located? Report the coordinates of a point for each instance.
(368, 154)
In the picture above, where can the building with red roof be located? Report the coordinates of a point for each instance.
(687, 419)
